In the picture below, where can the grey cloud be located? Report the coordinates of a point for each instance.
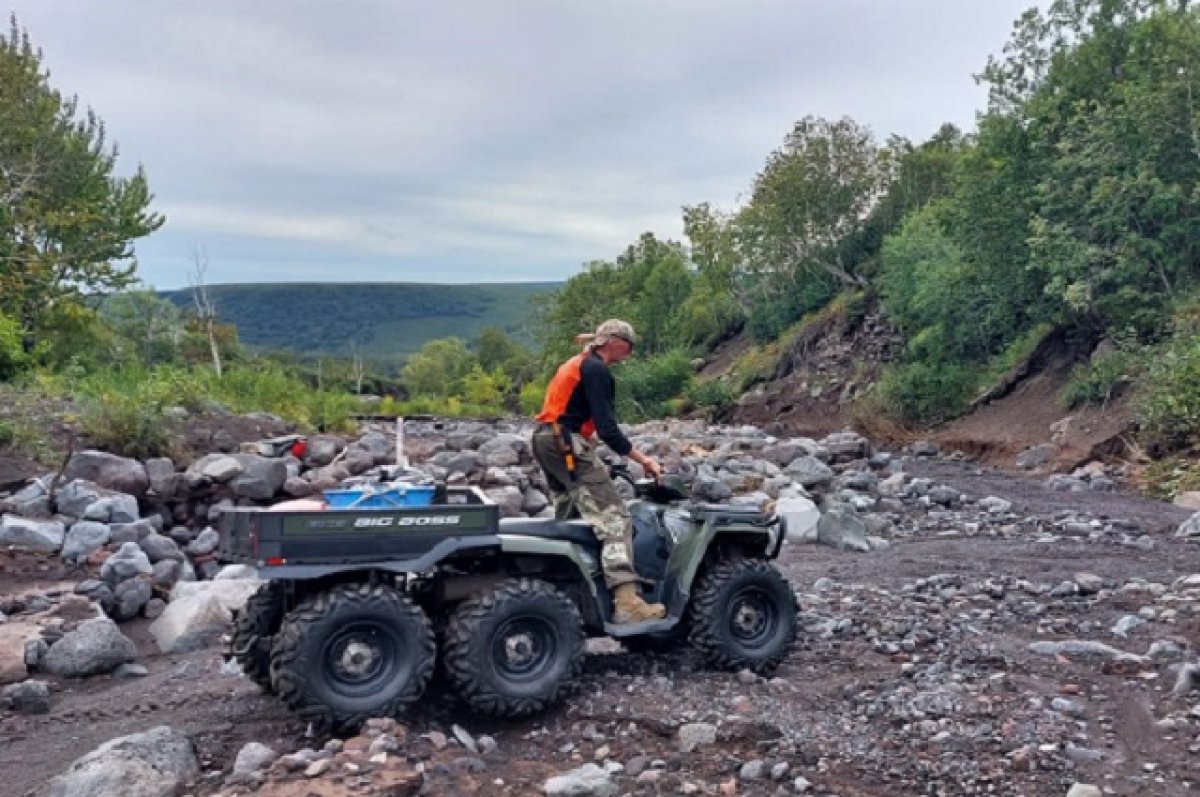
(407, 141)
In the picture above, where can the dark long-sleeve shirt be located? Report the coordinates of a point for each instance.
(582, 397)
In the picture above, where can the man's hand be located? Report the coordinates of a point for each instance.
(649, 464)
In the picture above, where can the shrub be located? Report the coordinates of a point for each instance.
(1168, 404)
(711, 394)
(644, 386)
(1097, 381)
(923, 393)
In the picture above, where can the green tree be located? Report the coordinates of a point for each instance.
(67, 223)
(150, 327)
(439, 368)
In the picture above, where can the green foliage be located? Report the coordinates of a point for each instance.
(1167, 406)
(67, 223)
(646, 385)
(918, 392)
(13, 358)
(439, 368)
(715, 395)
(1097, 381)
(531, 398)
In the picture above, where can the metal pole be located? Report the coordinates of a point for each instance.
(401, 460)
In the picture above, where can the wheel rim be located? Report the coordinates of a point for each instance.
(753, 618)
(360, 657)
(524, 648)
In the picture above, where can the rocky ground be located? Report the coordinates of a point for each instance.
(965, 631)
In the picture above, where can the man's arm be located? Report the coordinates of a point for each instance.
(598, 387)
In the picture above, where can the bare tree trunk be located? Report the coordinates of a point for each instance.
(205, 308)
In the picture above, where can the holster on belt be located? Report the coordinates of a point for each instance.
(562, 438)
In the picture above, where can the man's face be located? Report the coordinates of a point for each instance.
(618, 350)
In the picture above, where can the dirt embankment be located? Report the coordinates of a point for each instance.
(820, 377)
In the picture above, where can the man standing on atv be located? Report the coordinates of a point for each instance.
(580, 406)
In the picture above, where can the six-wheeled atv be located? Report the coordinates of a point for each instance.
(361, 605)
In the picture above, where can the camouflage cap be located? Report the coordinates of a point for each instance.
(614, 328)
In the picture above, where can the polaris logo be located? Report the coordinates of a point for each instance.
(420, 520)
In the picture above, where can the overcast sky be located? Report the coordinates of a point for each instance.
(486, 141)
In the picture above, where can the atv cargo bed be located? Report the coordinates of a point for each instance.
(263, 538)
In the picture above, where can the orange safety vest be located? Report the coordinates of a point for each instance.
(559, 391)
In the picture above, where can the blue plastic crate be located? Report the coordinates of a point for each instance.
(390, 497)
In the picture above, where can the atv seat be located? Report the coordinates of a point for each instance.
(549, 529)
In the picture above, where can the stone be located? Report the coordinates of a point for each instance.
(1088, 583)
(260, 478)
(199, 612)
(322, 449)
(157, 548)
(127, 672)
(1126, 624)
(84, 538)
(129, 561)
(588, 780)
(33, 501)
(710, 489)
(752, 770)
(994, 505)
(923, 448)
(218, 468)
(135, 531)
(13, 640)
(846, 445)
(28, 697)
(297, 487)
(205, 543)
(167, 573)
(696, 734)
(157, 763)
(1084, 790)
(114, 508)
(74, 497)
(165, 483)
(503, 450)
(840, 528)
(509, 499)
(1189, 527)
(1035, 457)
(534, 501)
(946, 496)
(43, 536)
(253, 757)
(109, 471)
(808, 471)
(131, 596)
(96, 646)
(1082, 647)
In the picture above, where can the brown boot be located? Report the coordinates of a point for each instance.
(630, 608)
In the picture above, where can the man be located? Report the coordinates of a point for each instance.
(579, 407)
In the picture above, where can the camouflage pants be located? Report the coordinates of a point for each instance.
(590, 496)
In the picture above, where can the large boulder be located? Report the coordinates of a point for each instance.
(13, 636)
(199, 612)
(157, 763)
(503, 450)
(78, 497)
(840, 528)
(322, 449)
(809, 471)
(261, 477)
(108, 470)
(129, 561)
(45, 536)
(164, 481)
(96, 646)
(847, 445)
(84, 538)
(157, 548)
(32, 500)
(800, 516)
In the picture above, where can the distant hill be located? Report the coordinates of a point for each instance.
(387, 320)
